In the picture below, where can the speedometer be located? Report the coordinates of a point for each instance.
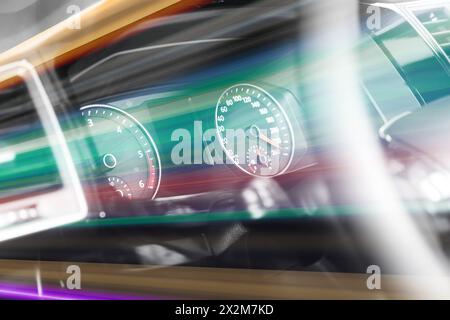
(254, 130)
(126, 156)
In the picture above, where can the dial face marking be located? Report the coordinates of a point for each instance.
(120, 187)
(109, 161)
(268, 130)
(126, 154)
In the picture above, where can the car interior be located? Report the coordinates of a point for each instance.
(115, 150)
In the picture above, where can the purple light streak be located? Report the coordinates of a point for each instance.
(19, 291)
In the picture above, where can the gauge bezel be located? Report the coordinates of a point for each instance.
(141, 126)
(286, 118)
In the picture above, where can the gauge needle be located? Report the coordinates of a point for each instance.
(256, 132)
(268, 140)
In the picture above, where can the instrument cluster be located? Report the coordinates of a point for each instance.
(257, 129)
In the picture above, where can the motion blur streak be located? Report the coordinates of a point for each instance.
(60, 44)
(369, 182)
(353, 196)
(113, 281)
(29, 292)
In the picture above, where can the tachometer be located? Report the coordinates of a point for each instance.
(127, 157)
(255, 130)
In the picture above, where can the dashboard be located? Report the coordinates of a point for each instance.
(195, 138)
(212, 125)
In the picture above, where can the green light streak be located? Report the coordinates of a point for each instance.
(198, 217)
(162, 115)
